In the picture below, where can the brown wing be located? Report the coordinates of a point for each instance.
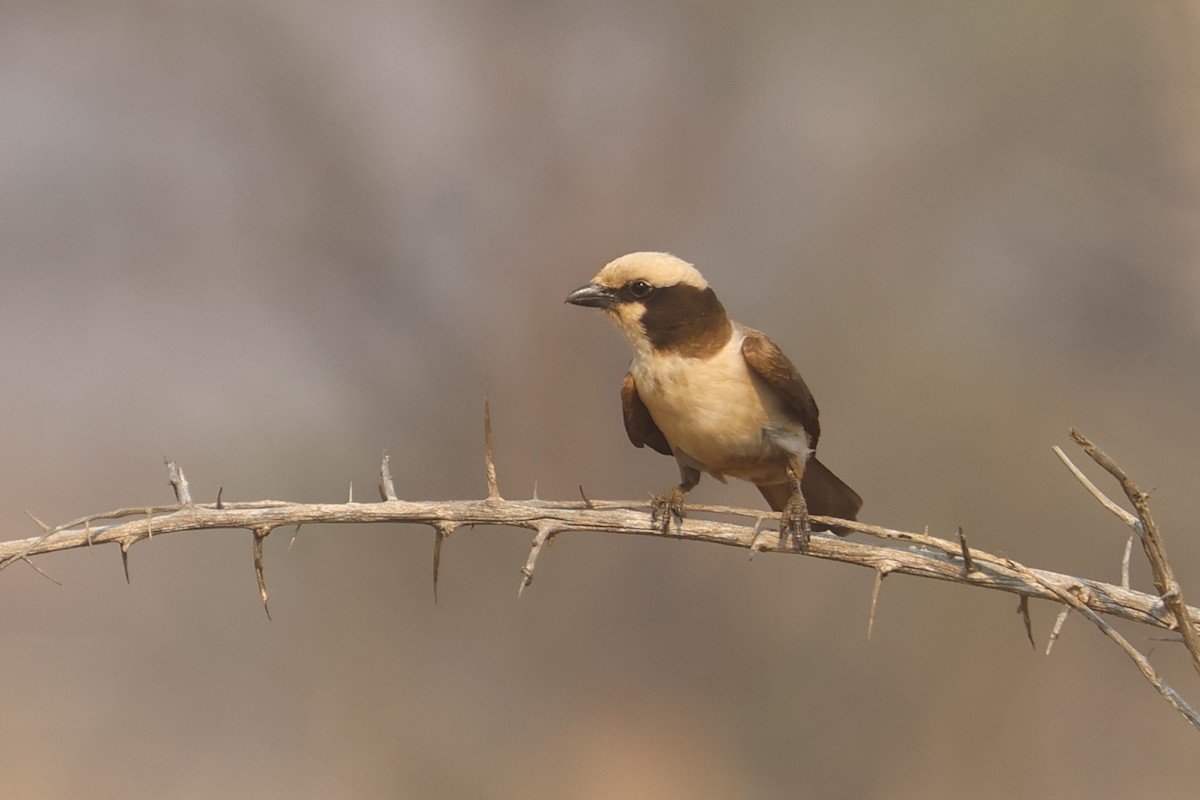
(765, 358)
(638, 422)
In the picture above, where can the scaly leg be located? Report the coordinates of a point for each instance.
(670, 503)
(794, 520)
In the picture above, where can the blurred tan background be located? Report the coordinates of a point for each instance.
(273, 240)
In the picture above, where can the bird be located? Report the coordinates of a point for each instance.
(720, 397)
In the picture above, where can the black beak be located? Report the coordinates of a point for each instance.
(593, 295)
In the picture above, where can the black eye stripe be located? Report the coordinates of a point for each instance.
(635, 290)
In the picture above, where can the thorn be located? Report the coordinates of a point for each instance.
(45, 528)
(39, 570)
(179, 483)
(489, 451)
(387, 489)
(125, 545)
(149, 524)
(586, 502)
(259, 572)
(1125, 562)
(1058, 625)
(87, 527)
(295, 533)
(438, 536)
(440, 531)
(878, 585)
(535, 497)
(1023, 610)
(755, 544)
(968, 564)
(220, 491)
(350, 499)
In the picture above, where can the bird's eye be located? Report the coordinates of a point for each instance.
(640, 289)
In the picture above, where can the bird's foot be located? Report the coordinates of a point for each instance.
(794, 521)
(665, 507)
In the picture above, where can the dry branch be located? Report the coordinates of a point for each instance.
(887, 551)
(1147, 531)
(917, 554)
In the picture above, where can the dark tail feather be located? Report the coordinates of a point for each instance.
(827, 495)
(824, 493)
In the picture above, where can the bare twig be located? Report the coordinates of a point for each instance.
(901, 552)
(179, 483)
(887, 551)
(1075, 597)
(545, 533)
(1152, 543)
(45, 528)
(1101, 497)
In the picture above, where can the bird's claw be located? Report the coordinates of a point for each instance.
(794, 521)
(665, 507)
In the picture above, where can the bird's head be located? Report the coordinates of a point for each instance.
(660, 303)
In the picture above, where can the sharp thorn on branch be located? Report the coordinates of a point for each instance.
(40, 571)
(220, 491)
(440, 531)
(586, 502)
(489, 451)
(1056, 631)
(350, 499)
(875, 589)
(437, 560)
(968, 564)
(259, 535)
(125, 545)
(45, 528)
(1023, 610)
(756, 545)
(1125, 562)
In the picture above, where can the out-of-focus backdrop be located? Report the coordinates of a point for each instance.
(273, 240)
